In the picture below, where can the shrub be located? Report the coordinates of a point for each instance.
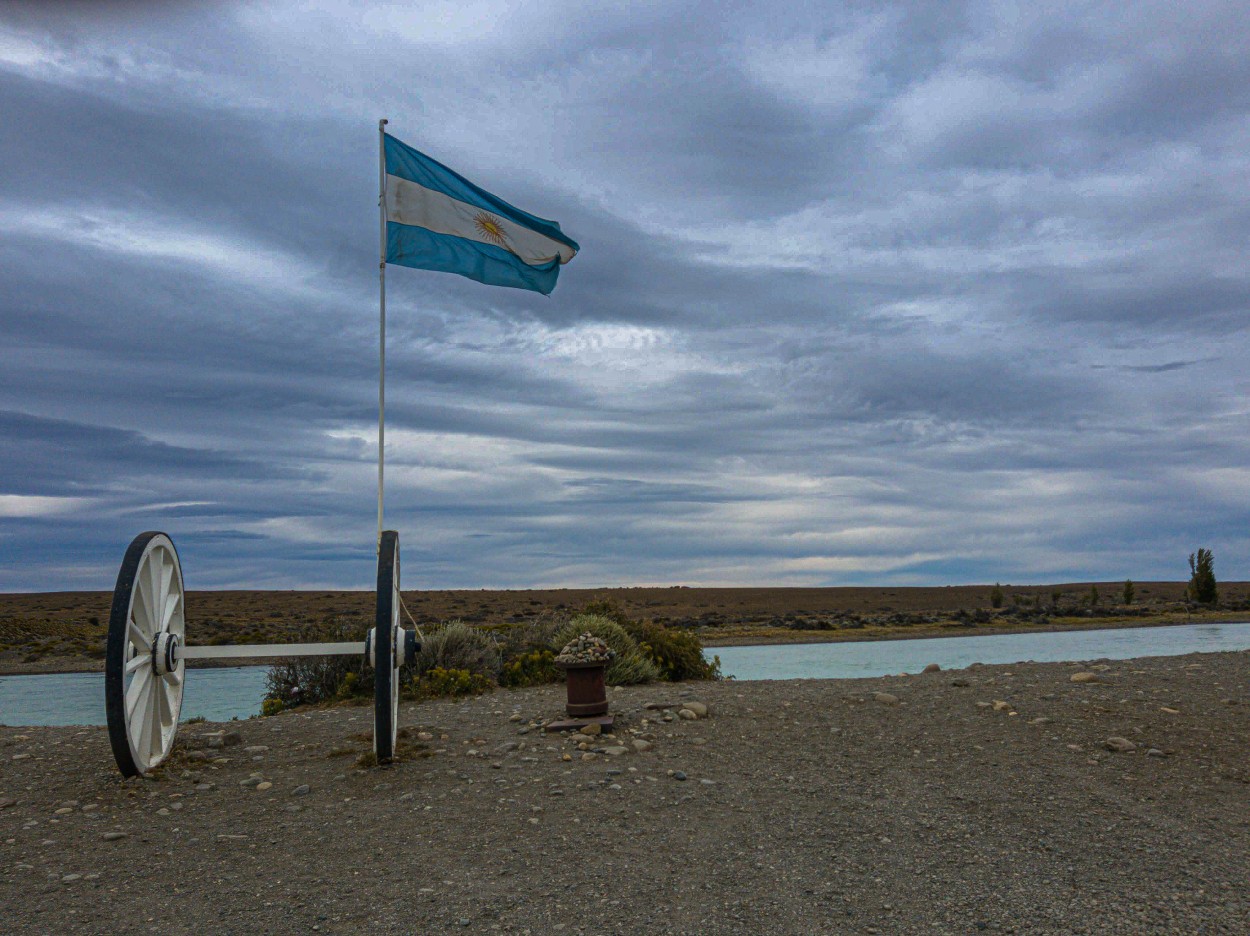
(457, 646)
(529, 669)
(996, 596)
(631, 664)
(271, 707)
(438, 682)
(1093, 596)
(677, 654)
(520, 639)
(320, 679)
(1202, 577)
(1128, 591)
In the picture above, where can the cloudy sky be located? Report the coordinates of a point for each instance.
(899, 294)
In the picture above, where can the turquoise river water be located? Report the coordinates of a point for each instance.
(220, 694)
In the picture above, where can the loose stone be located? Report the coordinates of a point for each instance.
(886, 698)
(932, 668)
(687, 715)
(698, 708)
(1083, 677)
(1120, 745)
(115, 836)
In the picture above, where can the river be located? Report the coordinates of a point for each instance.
(220, 694)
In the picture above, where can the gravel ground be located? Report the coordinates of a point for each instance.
(949, 802)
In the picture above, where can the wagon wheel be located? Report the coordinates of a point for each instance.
(387, 638)
(143, 666)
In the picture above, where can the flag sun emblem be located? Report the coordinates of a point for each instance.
(491, 228)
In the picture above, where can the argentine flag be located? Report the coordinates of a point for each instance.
(437, 220)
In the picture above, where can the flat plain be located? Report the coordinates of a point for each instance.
(1000, 799)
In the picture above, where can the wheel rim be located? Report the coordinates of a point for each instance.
(144, 669)
(388, 650)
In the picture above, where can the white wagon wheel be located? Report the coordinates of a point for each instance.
(387, 650)
(143, 665)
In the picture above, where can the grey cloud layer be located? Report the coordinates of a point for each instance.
(919, 293)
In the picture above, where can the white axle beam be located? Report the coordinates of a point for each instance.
(242, 651)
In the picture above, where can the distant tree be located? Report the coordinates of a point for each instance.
(1128, 591)
(1054, 598)
(996, 596)
(1093, 595)
(1202, 577)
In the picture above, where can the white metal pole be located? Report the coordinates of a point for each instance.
(381, 316)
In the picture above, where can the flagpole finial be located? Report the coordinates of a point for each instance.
(382, 123)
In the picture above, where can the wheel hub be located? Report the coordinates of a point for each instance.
(166, 651)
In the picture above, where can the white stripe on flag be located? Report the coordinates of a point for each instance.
(410, 203)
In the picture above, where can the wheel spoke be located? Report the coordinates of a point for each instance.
(136, 694)
(167, 577)
(171, 605)
(138, 637)
(146, 715)
(172, 678)
(140, 604)
(156, 589)
(137, 662)
(154, 721)
(163, 710)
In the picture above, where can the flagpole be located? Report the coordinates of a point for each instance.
(381, 315)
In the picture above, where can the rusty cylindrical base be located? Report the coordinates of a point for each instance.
(588, 695)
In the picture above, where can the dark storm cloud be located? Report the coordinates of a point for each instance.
(913, 293)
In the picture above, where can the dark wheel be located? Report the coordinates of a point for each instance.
(386, 661)
(143, 666)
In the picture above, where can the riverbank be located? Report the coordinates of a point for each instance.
(12, 665)
(65, 631)
(994, 799)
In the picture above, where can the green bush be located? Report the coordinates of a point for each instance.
(298, 680)
(438, 682)
(520, 639)
(1128, 591)
(996, 596)
(1202, 588)
(529, 669)
(271, 707)
(457, 646)
(678, 654)
(631, 664)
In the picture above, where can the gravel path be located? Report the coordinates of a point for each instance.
(950, 802)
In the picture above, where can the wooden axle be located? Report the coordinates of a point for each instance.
(243, 651)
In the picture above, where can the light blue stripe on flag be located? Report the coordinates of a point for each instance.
(438, 220)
